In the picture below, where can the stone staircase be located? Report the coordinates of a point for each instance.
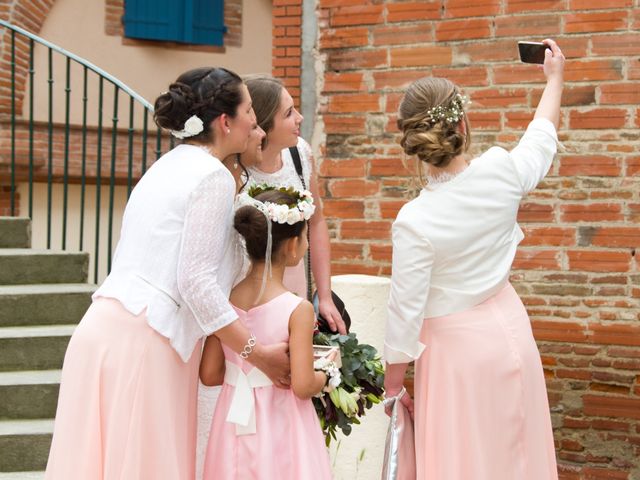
(43, 295)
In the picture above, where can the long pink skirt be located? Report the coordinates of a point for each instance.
(481, 407)
(127, 405)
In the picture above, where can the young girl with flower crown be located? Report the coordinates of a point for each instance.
(258, 431)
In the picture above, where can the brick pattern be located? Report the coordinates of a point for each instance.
(287, 44)
(114, 10)
(577, 269)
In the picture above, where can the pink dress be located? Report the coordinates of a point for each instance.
(481, 409)
(277, 435)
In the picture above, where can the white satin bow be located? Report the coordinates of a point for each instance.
(242, 411)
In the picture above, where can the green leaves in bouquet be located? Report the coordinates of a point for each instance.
(361, 387)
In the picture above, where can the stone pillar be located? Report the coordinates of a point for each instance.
(359, 456)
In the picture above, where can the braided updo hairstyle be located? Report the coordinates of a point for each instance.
(433, 141)
(207, 92)
(251, 223)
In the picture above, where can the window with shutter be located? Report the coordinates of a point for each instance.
(197, 22)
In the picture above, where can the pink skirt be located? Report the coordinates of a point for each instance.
(481, 408)
(127, 404)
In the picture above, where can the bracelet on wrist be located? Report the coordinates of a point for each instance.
(248, 348)
(331, 370)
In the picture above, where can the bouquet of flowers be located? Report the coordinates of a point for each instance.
(361, 385)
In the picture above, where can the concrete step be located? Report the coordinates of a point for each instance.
(15, 232)
(21, 266)
(25, 445)
(22, 476)
(29, 394)
(33, 348)
(44, 304)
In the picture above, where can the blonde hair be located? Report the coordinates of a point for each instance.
(435, 141)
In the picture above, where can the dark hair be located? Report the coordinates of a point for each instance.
(207, 92)
(266, 93)
(251, 223)
(435, 143)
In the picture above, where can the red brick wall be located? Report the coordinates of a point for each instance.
(577, 270)
(287, 34)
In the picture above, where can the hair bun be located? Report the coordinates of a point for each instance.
(173, 107)
(250, 222)
(435, 146)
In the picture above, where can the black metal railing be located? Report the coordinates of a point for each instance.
(77, 146)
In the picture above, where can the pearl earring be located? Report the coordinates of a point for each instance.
(228, 130)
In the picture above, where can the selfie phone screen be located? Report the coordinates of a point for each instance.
(532, 52)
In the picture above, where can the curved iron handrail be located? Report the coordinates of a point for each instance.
(99, 162)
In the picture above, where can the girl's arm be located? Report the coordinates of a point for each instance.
(321, 258)
(212, 367)
(305, 381)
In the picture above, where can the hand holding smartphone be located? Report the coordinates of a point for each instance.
(532, 52)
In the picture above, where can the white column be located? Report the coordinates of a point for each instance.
(359, 455)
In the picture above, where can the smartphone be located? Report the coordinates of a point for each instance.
(532, 52)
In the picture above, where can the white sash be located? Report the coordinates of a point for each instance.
(242, 411)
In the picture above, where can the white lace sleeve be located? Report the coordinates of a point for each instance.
(204, 244)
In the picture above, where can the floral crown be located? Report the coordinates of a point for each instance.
(451, 113)
(301, 209)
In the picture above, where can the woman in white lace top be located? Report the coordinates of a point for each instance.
(278, 117)
(127, 406)
(481, 409)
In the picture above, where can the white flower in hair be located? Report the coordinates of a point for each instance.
(282, 213)
(294, 216)
(192, 127)
(307, 209)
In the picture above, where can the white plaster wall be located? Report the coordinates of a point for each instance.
(359, 455)
(79, 27)
(39, 221)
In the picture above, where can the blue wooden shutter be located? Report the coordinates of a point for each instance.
(207, 26)
(188, 21)
(154, 19)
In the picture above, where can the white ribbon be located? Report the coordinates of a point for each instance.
(242, 411)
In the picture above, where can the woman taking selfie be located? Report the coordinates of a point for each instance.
(481, 410)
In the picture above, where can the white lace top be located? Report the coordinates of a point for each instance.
(453, 245)
(178, 254)
(287, 175)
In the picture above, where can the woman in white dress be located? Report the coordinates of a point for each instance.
(278, 117)
(127, 405)
(481, 410)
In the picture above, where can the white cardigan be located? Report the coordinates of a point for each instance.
(178, 254)
(454, 244)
